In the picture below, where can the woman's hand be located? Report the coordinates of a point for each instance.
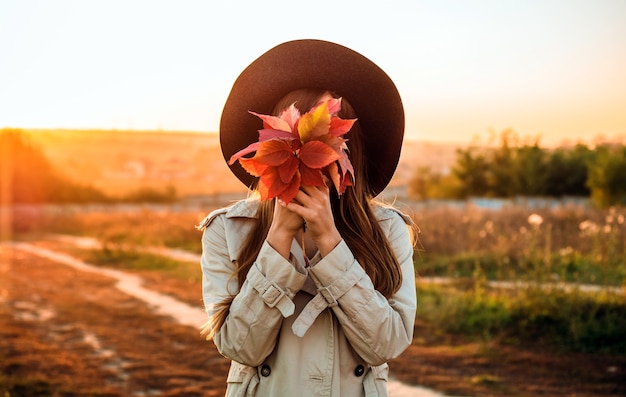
(312, 204)
(285, 225)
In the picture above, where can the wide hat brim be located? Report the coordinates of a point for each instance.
(317, 64)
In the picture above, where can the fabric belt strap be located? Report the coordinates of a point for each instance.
(326, 297)
(272, 294)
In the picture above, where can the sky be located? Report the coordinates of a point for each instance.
(549, 68)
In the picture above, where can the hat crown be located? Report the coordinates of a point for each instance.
(325, 65)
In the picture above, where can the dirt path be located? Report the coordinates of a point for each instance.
(72, 333)
(69, 326)
(69, 332)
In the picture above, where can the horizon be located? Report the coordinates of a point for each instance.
(490, 137)
(464, 69)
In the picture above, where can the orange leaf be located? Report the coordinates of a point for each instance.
(290, 190)
(339, 126)
(252, 166)
(294, 150)
(316, 154)
(273, 152)
(288, 169)
(311, 177)
(263, 190)
(332, 171)
(251, 148)
(337, 143)
(271, 179)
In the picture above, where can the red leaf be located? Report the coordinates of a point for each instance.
(291, 115)
(345, 182)
(288, 169)
(339, 126)
(337, 143)
(341, 173)
(316, 154)
(273, 152)
(273, 122)
(263, 190)
(290, 191)
(294, 150)
(251, 148)
(268, 134)
(271, 179)
(346, 165)
(253, 167)
(311, 177)
(334, 105)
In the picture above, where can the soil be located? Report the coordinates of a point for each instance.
(69, 333)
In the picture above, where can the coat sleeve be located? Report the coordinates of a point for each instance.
(249, 333)
(379, 329)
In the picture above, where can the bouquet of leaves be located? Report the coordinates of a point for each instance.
(299, 150)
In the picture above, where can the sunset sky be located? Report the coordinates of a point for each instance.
(464, 68)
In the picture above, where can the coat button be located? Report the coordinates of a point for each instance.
(266, 370)
(359, 370)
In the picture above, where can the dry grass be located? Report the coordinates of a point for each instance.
(69, 333)
(496, 365)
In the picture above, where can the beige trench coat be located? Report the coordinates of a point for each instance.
(296, 331)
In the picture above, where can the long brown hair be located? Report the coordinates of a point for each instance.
(352, 211)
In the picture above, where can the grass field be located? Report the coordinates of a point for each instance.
(472, 337)
(546, 254)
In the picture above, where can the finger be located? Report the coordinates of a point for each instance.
(310, 194)
(315, 190)
(303, 197)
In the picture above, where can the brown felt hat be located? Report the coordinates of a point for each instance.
(317, 64)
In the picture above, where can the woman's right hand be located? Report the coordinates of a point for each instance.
(285, 225)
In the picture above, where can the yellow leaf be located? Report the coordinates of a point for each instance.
(314, 123)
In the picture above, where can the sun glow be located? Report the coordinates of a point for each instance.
(463, 68)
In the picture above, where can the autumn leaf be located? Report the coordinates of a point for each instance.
(273, 122)
(311, 177)
(316, 154)
(334, 106)
(290, 191)
(253, 167)
(251, 148)
(295, 150)
(269, 134)
(288, 169)
(274, 152)
(315, 123)
(339, 126)
(291, 115)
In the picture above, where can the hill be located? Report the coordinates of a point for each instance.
(119, 162)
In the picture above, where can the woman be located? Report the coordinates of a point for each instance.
(311, 296)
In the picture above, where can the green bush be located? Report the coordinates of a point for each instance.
(561, 320)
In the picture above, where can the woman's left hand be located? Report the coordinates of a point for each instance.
(312, 203)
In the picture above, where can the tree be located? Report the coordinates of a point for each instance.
(28, 177)
(528, 171)
(426, 184)
(566, 171)
(607, 176)
(473, 173)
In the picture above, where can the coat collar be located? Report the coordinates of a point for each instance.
(244, 209)
(248, 209)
